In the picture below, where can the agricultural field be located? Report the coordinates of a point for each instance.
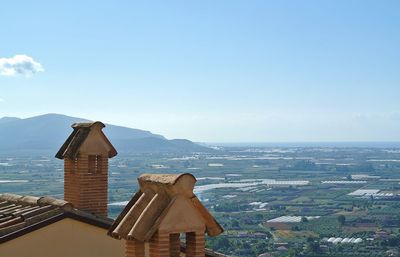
(287, 201)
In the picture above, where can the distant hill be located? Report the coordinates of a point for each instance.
(46, 133)
(8, 119)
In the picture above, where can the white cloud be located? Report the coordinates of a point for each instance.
(20, 64)
(1, 100)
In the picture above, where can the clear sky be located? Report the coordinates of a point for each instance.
(211, 71)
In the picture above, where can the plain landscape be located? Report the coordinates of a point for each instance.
(314, 199)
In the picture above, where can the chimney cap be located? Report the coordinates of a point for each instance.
(78, 125)
(166, 179)
(71, 146)
(160, 195)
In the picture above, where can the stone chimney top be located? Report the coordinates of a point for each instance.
(85, 153)
(172, 184)
(86, 136)
(163, 208)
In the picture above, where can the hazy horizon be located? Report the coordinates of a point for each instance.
(379, 144)
(338, 144)
(209, 71)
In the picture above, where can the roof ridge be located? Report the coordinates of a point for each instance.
(86, 124)
(35, 200)
(166, 179)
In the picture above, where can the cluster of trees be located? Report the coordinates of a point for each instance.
(230, 207)
(238, 247)
(392, 241)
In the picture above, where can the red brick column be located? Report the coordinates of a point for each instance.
(195, 244)
(134, 248)
(159, 245)
(175, 245)
(84, 190)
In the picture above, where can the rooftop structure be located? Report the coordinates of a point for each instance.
(163, 208)
(32, 218)
(291, 219)
(85, 154)
(151, 224)
(20, 215)
(346, 240)
(75, 143)
(364, 192)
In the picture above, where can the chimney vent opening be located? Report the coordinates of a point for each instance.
(94, 164)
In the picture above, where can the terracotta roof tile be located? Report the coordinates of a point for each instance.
(22, 214)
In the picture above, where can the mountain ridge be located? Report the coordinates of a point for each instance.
(47, 132)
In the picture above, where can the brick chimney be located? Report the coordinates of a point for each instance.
(85, 154)
(163, 211)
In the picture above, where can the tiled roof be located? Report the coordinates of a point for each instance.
(144, 213)
(71, 146)
(22, 214)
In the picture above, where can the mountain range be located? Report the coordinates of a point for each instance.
(46, 133)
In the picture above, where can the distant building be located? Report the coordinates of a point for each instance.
(381, 234)
(281, 249)
(266, 255)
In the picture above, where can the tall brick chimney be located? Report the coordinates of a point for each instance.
(85, 154)
(162, 210)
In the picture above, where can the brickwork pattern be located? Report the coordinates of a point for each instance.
(159, 245)
(86, 191)
(175, 245)
(134, 248)
(195, 244)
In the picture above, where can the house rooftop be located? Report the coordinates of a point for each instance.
(20, 215)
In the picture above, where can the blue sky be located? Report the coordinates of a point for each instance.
(221, 71)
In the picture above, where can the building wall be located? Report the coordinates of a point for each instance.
(65, 238)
